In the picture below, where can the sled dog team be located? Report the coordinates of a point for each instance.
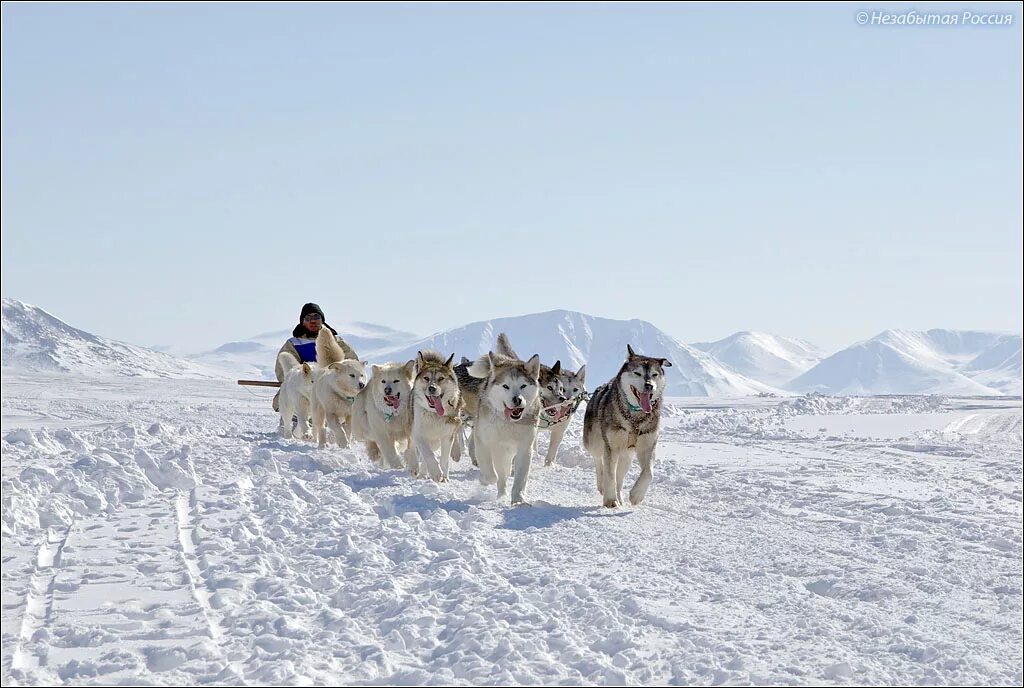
(411, 414)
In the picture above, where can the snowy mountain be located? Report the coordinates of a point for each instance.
(916, 362)
(577, 338)
(765, 357)
(254, 358)
(998, 366)
(34, 340)
(957, 362)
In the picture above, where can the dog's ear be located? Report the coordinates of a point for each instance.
(581, 374)
(533, 367)
(557, 368)
(481, 367)
(629, 349)
(420, 363)
(448, 363)
(306, 368)
(375, 369)
(409, 369)
(665, 363)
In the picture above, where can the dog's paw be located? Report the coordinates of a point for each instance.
(611, 503)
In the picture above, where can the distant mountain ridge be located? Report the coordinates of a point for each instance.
(577, 338)
(961, 362)
(255, 357)
(937, 361)
(765, 357)
(35, 340)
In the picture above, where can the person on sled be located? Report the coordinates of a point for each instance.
(302, 343)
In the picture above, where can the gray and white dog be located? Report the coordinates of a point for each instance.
(437, 413)
(553, 384)
(508, 404)
(623, 417)
(561, 391)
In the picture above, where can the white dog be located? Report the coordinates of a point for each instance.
(382, 414)
(506, 422)
(561, 392)
(295, 395)
(336, 383)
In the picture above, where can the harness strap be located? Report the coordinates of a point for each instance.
(563, 411)
(575, 402)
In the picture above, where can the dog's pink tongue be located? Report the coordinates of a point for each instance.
(436, 403)
(391, 401)
(645, 401)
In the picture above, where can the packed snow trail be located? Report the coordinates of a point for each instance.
(166, 535)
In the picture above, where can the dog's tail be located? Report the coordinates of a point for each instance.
(328, 350)
(504, 346)
(287, 361)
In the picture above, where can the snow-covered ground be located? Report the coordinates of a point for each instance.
(157, 531)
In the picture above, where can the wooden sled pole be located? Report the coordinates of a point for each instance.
(260, 383)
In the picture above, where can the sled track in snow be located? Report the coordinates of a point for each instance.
(39, 597)
(186, 512)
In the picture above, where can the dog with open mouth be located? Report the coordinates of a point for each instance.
(382, 414)
(506, 421)
(623, 417)
(561, 391)
(550, 386)
(574, 388)
(437, 413)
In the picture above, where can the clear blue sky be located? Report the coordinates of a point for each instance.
(191, 174)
